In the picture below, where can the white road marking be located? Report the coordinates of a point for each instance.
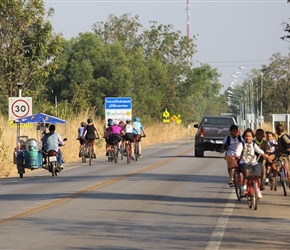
(218, 232)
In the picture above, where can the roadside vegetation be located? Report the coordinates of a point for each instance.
(156, 133)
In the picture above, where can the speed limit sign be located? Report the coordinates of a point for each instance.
(19, 107)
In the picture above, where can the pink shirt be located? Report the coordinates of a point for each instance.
(115, 129)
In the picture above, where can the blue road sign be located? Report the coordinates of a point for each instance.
(118, 103)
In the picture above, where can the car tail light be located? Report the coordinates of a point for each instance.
(201, 132)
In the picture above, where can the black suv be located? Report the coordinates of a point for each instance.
(211, 132)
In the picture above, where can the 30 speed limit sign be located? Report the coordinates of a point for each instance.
(19, 107)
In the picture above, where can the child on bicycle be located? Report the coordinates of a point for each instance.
(272, 145)
(229, 145)
(247, 158)
(261, 142)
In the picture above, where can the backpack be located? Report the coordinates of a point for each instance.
(228, 142)
(285, 146)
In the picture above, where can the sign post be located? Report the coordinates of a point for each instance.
(118, 108)
(19, 107)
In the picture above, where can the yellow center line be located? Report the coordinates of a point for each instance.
(87, 190)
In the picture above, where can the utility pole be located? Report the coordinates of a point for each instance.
(188, 17)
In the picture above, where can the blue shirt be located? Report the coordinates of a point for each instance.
(80, 132)
(138, 126)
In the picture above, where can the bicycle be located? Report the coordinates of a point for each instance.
(136, 147)
(122, 149)
(238, 182)
(283, 174)
(128, 150)
(252, 174)
(90, 152)
(113, 152)
(273, 179)
(82, 152)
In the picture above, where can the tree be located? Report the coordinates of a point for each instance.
(287, 30)
(28, 46)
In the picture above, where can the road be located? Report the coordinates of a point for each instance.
(167, 200)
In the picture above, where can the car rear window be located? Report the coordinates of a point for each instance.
(218, 121)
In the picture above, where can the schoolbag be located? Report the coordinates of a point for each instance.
(228, 142)
(285, 146)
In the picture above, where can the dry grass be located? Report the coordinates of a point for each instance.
(156, 133)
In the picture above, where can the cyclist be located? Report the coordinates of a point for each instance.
(137, 123)
(128, 130)
(283, 147)
(230, 145)
(246, 156)
(80, 138)
(272, 143)
(89, 134)
(122, 124)
(262, 143)
(107, 134)
(52, 141)
(115, 134)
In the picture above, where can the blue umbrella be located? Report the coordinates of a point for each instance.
(40, 118)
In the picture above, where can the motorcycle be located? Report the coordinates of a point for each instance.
(51, 161)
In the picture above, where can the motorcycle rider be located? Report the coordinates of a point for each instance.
(52, 141)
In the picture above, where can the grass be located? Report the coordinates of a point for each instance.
(156, 133)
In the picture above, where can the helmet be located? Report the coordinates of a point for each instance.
(121, 123)
(137, 119)
(90, 120)
(110, 123)
(110, 120)
(128, 121)
(83, 124)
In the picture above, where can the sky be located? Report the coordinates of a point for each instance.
(229, 33)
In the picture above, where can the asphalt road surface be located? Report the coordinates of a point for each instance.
(167, 200)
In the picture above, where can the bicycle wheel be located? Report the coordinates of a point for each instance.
(271, 181)
(255, 195)
(115, 153)
(283, 181)
(109, 155)
(128, 153)
(122, 151)
(90, 155)
(237, 184)
(83, 152)
(136, 153)
(250, 195)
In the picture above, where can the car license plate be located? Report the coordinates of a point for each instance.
(52, 158)
(219, 142)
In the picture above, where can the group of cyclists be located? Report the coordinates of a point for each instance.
(256, 149)
(113, 131)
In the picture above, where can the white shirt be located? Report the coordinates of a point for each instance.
(129, 129)
(247, 151)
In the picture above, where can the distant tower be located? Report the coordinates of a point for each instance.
(188, 16)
